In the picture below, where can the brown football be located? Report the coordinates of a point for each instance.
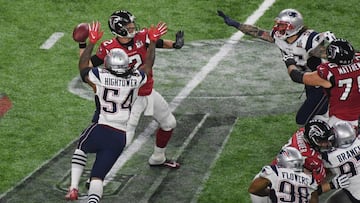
(81, 32)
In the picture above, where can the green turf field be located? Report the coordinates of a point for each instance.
(45, 117)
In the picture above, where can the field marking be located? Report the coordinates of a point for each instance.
(52, 40)
(164, 173)
(196, 80)
(207, 175)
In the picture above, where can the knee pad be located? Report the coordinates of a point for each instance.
(168, 123)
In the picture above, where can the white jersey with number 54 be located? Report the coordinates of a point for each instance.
(114, 96)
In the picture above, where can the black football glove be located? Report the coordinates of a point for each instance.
(179, 42)
(228, 20)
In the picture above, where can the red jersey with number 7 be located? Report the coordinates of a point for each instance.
(344, 95)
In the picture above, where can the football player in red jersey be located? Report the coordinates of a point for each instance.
(293, 38)
(134, 42)
(341, 78)
(308, 141)
(106, 136)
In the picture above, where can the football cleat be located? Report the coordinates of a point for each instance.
(167, 164)
(72, 194)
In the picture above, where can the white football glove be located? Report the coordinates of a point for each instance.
(340, 181)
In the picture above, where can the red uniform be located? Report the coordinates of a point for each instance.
(344, 96)
(137, 55)
(313, 161)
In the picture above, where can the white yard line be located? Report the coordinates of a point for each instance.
(164, 173)
(52, 40)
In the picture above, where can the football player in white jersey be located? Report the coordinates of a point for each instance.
(115, 85)
(305, 45)
(286, 181)
(149, 101)
(344, 158)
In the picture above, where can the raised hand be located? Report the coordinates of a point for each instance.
(155, 33)
(228, 20)
(179, 42)
(95, 32)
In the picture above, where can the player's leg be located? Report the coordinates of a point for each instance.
(136, 110)
(167, 123)
(315, 104)
(109, 148)
(78, 163)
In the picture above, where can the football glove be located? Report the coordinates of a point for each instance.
(228, 20)
(95, 32)
(179, 42)
(289, 60)
(340, 181)
(156, 32)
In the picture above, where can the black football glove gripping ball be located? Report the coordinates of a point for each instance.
(179, 42)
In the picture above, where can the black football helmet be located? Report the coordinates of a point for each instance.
(317, 132)
(340, 51)
(118, 22)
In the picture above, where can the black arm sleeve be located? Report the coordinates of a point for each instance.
(96, 61)
(297, 76)
(160, 43)
(84, 72)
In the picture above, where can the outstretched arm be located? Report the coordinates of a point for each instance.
(95, 34)
(154, 35)
(170, 44)
(307, 78)
(250, 30)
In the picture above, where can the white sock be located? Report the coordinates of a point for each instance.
(95, 191)
(78, 163)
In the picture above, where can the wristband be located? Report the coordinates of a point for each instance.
(297, 75)
(82, 45)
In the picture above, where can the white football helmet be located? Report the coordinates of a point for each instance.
(288, 23)
(344, 134)
(117, 61)
(290, 157)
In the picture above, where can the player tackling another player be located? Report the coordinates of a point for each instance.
(293, 38)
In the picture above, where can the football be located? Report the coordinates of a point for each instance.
(81, 32)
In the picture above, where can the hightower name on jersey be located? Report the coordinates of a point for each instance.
(121, 82)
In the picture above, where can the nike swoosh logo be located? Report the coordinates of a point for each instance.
(172, 165)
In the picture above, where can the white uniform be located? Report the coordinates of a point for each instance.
(115, 95)
(289, 186)
(307, 41)
(346, 161)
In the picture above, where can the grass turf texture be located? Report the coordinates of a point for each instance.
(45, 117)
